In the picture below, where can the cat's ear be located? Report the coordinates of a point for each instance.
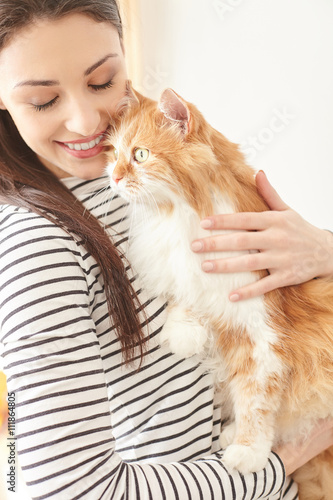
(175, 109)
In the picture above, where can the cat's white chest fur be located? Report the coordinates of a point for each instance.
(160, 251)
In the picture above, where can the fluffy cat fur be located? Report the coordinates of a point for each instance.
(274, 354)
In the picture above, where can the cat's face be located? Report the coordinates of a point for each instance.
(151, 160)
(138, 169)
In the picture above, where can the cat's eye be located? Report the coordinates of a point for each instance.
(141, 155)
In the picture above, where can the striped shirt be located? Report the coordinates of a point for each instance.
(86, 425)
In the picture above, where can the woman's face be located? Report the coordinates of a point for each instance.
(61, 82)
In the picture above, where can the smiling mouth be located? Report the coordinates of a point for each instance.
(84, 146)
(84, 150)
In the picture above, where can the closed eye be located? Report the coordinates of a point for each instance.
(106, 85)
(43, 107)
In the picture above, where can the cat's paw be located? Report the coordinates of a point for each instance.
(245, 459)
(184, 338)
(227, 435)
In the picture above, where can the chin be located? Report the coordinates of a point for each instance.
(89, 172)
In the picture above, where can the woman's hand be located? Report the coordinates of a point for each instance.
(320, 439)
(292, 250)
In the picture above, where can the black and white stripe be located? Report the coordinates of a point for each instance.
(88, 427)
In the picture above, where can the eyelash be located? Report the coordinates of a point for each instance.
(43, 107)
(106, 85)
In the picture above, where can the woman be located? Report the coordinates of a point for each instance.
(88, 425)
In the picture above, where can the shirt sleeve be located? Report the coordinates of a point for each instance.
(55, 374)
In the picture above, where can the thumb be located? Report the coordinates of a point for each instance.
(268, 193)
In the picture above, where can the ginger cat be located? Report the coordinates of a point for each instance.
(274, 353)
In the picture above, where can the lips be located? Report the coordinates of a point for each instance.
(79, 146)
(84, 148)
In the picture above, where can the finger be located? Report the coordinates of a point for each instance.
(256, 289)
(232, 242)
(243, 263)
(240, 220)
(268, 193)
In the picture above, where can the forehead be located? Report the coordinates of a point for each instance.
(69, 43)
(144, 126)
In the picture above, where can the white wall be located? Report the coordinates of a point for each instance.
(261, 71)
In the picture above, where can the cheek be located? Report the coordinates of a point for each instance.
(109, 170)
(34, 130)
(160, 182)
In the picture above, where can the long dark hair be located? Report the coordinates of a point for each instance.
(26, 182)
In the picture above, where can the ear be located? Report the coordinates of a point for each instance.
(175, 109)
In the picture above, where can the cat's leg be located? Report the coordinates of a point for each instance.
(184, 334)
(253, 435)
(255, 381)
(228, 434)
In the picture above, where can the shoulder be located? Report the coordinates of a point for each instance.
(29, 241)
(21, 228)
(43, 271)
(13, 219)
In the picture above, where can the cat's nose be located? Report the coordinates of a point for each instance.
(116, 178)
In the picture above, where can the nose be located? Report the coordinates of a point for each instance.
(116, 177)
(84, 117)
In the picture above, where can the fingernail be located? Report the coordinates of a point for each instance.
(206, 223)
(207, 266)
(234, 297)
(197, 246)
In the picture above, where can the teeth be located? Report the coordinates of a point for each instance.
(84, 146)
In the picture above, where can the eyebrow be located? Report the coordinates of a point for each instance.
(99, 63)
(50, 83)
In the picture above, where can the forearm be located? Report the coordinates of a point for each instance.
(205, 478)
(295, 456)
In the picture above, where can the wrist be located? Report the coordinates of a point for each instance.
(294, 456)
(289, 457)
